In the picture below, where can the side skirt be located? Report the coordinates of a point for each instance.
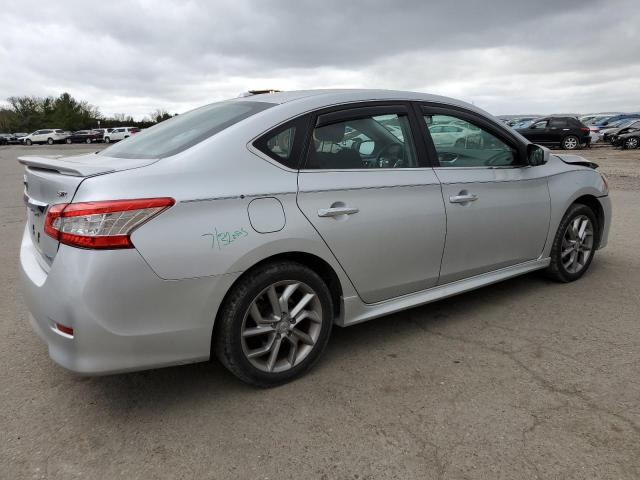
(355, 311)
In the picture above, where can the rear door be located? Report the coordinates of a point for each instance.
(498, 209)
(368, 190)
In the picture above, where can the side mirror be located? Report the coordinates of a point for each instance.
(537, 155)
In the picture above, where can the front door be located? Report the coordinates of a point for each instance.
(497, 208)
(367, 190)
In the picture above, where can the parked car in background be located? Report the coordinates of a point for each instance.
(120, 133)
(83, 136)
(103, 132)
(275, 231)
(620, 128)
(49, 136)
(4, 138)
(605, 122)
(19, 136)
(629, 140)
(565, 132)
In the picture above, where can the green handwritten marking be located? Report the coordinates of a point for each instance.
(226, 238)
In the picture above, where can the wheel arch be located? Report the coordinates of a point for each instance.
(592, 202)
(310, 260)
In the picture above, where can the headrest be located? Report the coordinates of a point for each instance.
(330, 133)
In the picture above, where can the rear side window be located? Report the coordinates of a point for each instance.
(558, 122)
(183, 131)
(284, 143)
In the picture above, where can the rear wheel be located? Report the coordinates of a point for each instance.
(50, 141)
(88, 140)
(274, 324)
(574, 244)
(570, 142)
(631, 143)
(68, 140)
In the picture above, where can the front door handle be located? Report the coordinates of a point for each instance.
(463, 197)
(336, 211)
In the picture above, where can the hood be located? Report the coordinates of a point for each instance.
(86, 165)
(577, 160)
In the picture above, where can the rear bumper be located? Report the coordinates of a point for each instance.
(123, 315)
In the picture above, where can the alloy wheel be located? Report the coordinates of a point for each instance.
(281, 326)
(632, 142)
(577, 244)
(570, 143)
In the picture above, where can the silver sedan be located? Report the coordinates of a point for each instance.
(247, 228)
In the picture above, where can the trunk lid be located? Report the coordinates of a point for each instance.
(49, 180)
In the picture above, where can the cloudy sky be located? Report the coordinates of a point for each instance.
(507, 56)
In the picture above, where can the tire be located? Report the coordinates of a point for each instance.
(49, 141)
(631, 143)
(565, 255)
(570, 142)
(69, 141)
(28, 142)
(88, 140)
(107, 140)
(235, 340)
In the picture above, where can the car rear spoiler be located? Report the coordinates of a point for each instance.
(65, 167)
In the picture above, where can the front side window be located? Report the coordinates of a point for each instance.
(183, 131)
(380, 141)
(460, 143)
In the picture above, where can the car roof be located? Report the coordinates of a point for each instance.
(327, 97)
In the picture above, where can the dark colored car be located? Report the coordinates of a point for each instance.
(629, 140)
(5, 138)
(609, 135)
(605, 122)
(566, 132)
(84, 136)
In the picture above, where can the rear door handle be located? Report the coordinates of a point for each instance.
(336, 211)
(463, 198)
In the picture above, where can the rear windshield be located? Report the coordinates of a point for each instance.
(183, 131)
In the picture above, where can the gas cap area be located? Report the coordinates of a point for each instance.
(266, 215)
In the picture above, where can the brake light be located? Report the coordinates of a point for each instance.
(585, 129)
(101, 225)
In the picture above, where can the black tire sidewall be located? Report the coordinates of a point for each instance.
(227, 334)
(574, 211)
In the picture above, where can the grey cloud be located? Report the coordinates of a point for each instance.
(504, 54)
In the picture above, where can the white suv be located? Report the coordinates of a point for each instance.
(50, 136)
(120, 133)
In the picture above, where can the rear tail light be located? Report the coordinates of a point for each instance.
(585, 129)
(101, 225)
(64, 329)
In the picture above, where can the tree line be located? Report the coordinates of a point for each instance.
(30, 113)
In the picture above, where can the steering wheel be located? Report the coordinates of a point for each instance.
(394, 152)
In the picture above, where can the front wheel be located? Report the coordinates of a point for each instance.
(88, 140)
(50, 141)
(631, 143)
(107, 140)
(274, 324)
(68, 140)
(28, 142)
(570, 142)
(574, 244)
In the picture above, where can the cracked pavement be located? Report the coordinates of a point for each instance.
(525, 379)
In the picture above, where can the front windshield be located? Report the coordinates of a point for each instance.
(183, 131)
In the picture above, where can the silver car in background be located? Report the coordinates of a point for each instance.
(246, 228)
